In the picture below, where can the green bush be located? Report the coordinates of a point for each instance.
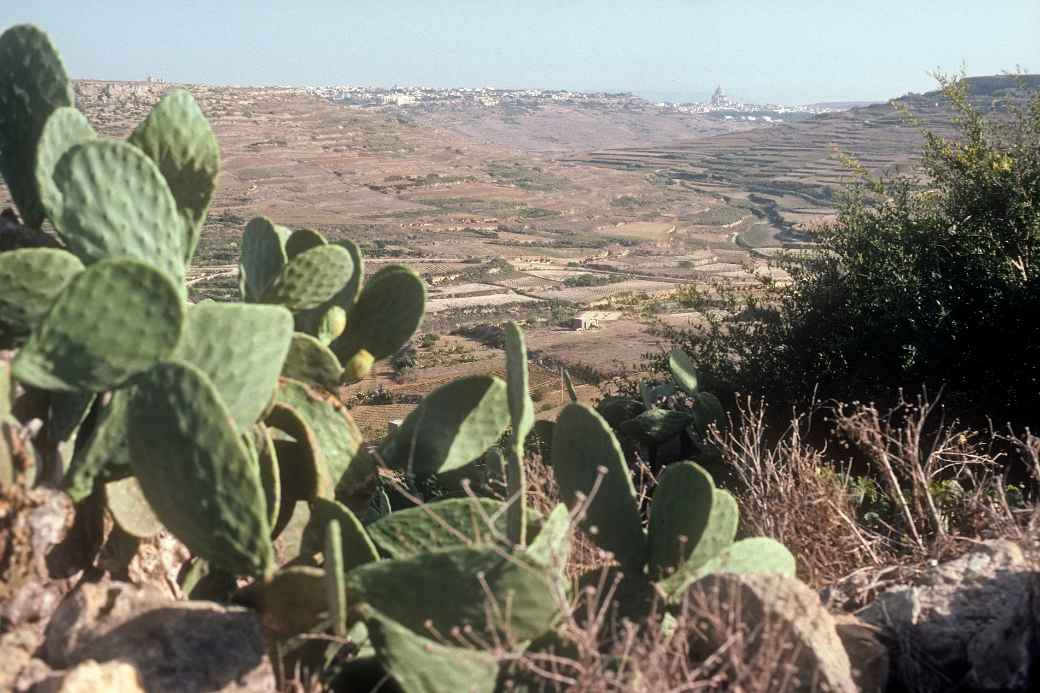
(928, 280)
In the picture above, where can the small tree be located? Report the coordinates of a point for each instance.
(926, 280)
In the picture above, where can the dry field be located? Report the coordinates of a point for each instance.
(496, 210)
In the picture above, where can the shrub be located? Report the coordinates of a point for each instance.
(929, 280)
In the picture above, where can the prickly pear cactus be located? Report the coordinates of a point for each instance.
(177, 137)
(112, 321)
(195, 472)
(586, 455)
(33, 84)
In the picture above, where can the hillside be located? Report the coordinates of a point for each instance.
(788, 174)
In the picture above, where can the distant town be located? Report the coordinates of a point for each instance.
(428, 98)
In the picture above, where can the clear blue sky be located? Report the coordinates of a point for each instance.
(788, 51)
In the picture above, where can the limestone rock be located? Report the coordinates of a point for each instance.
(788, 635)
(173, 646)
(867, 654)
(971, 623)
(38, 561)
(89, 677)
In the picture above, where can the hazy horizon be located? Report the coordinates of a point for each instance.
(808, 51)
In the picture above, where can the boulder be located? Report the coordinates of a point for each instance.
(172, 645)
(971, 623)
(789, 640)
(867, 654)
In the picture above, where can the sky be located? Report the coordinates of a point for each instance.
(777, 51)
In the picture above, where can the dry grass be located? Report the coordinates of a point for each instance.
(788, 491)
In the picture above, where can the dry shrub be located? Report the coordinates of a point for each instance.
(948, 484)
(788, 491)
(703, 646)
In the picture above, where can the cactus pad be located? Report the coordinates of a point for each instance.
(33, 84)
(310, 361)
(195, 471)
(754, 555)
(386, 314)
(439, 525)
(355, 545)
(445, 588)
(422, 665)
(117, 204)
(113, 320)
(311, 278)
(656, 425)
(451, 427)
(177, 137)
(65, 128)
(683, 371)
(130, 509)
(241, 348)
(30, 281)
(262, 257)
(338, 437)
(291, 602)
(106, 454)
(582, 442)
(302, 240)
(679, 516)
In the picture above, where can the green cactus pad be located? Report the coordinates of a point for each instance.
(178, 138)
(451, 427)
(516, 488)
(67, 411)
(521, 414)
(267, 461)
(656, 425)
(302, 240)
(338, 437)
(439, 525)
(616, 410)
(444, 588)
(301, 467)
(683, 371)
(707, 410)
(582, 443)
(106, 455)
(311, 278)
(65, 128)
(355, 544)
(754, 555)
(33, 83)
(327, 321)
(117, 204)
(195, 471)
(113, 320)
(385, 316)
(310, 361)
(262, 257)
(335, 583)
(521, 410)
(679, 516)
(331, 324)
(30, 281)
(552, 546)
(130, 509)
(241, 348)
(291, 602)
(568, 384)
(422, 665)
(720, 533)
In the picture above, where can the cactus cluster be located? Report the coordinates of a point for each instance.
(220, 422)
(667, 410)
